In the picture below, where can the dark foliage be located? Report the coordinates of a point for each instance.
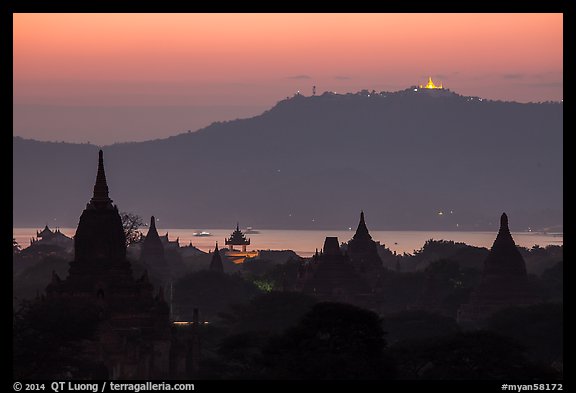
(269, 313)
(397, 291)
(333, 341)
(538, 328)
(277, 276)
(34, 279)
(447, 286)
(211, 292)
(410, 325)
(477, 355)
(434, 250)
(48, 336)
(552, 283)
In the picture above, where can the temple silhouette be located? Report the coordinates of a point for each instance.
(351, 276)
(152, 254)
(49, 241)
(363, 254)
(48, 236)
(237, 238)
(161, 256)
(354, 273)
(504, 281)
(330, 276)
(136, 338)
(131, 311)
(216, 262)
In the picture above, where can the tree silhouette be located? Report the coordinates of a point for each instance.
(479, 355)
(131, 223)
(249, 327)
(552, 280)
(268, 313)
(211, 292)
(539, 328)
(332, 341)
(48, 336)
(417, 324)
(34, 278)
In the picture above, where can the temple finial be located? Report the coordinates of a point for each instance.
(504, 222)
(237, 226)
(153, 223)
(100, 197)
(362, 231)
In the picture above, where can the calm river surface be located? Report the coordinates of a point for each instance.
(305, 242)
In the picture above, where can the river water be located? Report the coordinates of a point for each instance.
(304, 242)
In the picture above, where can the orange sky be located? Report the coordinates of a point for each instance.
(250, 61)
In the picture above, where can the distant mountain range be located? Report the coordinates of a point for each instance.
(410, 159)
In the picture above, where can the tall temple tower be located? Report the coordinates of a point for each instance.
(152, 247)
(363, 251)
(216, 262)
(130, 313)
(153, 256)
(504, 281)
(100, 237)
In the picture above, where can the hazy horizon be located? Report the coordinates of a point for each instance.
(131, 82)
(229, 113)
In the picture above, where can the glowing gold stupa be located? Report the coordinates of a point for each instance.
(431, 85)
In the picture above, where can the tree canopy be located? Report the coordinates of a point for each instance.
(48, 336)
(332, 341)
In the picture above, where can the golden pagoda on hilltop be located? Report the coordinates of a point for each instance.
(431, 85)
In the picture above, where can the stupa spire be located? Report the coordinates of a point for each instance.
(152, 248)
(504, 257)
(216, 263)
(431, 85)
(504, 222)
(362, 231)
(100, 197)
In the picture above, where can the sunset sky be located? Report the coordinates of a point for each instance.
(108, 78)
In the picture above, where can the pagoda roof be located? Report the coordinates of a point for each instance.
(45, 232)
(237, 238)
